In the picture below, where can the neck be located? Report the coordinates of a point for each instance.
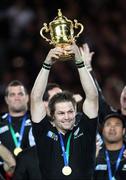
(114, 146)
(62, 131)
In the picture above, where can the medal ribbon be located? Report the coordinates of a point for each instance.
(117, 162)
(17, 142)
(65, 153)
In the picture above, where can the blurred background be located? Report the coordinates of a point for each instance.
(22, 50)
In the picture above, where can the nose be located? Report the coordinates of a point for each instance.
(17, 97)
(112, 127)
(66, 116)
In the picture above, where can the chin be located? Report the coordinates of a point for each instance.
(111, 141)
(68, 128)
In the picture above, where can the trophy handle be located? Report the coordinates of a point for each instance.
(76, 27)
(45, 29)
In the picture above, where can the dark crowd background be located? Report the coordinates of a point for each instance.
(22, 50)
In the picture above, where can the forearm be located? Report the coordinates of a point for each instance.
(90, 105)
(42, 78)
(87, 82)
(88, 85)
(40, 85)
(9, 160)
(104, 107)
(85, 77)
(37, 107)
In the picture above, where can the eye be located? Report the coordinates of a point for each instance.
(71, 112)
(21, 94)
(60, 113)
(119, 125)
(11, 95)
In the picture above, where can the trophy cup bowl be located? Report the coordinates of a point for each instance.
(61, 33)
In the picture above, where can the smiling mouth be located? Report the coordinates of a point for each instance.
(112, 134)
(66, 122)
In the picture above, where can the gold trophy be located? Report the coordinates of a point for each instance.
(61, 32)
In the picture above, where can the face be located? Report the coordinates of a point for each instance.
(64, 116)
(123, 99)
(51, 93)
(113, 130)
(17, 99)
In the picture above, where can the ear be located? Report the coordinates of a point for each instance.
(45, 104)
(6, 99)
(27, 98)
(53, 124)
(124, 131)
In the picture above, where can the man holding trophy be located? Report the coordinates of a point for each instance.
(65, 140)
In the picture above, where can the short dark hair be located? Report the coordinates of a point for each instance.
(49, 87)
(116, 115)
(64, 96)
(14, 83)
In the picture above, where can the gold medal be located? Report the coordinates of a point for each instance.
(66, 170)
(17, 150)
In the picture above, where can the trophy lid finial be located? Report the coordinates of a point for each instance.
(59, 13)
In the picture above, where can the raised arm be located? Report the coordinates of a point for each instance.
(104, 107)
(90, 105)
(38, 110)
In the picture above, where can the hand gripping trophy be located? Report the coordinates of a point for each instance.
(61, 32)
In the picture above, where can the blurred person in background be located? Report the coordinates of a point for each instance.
(110, 160)
(15, 124)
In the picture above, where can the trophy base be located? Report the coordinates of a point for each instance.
(67, 57)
